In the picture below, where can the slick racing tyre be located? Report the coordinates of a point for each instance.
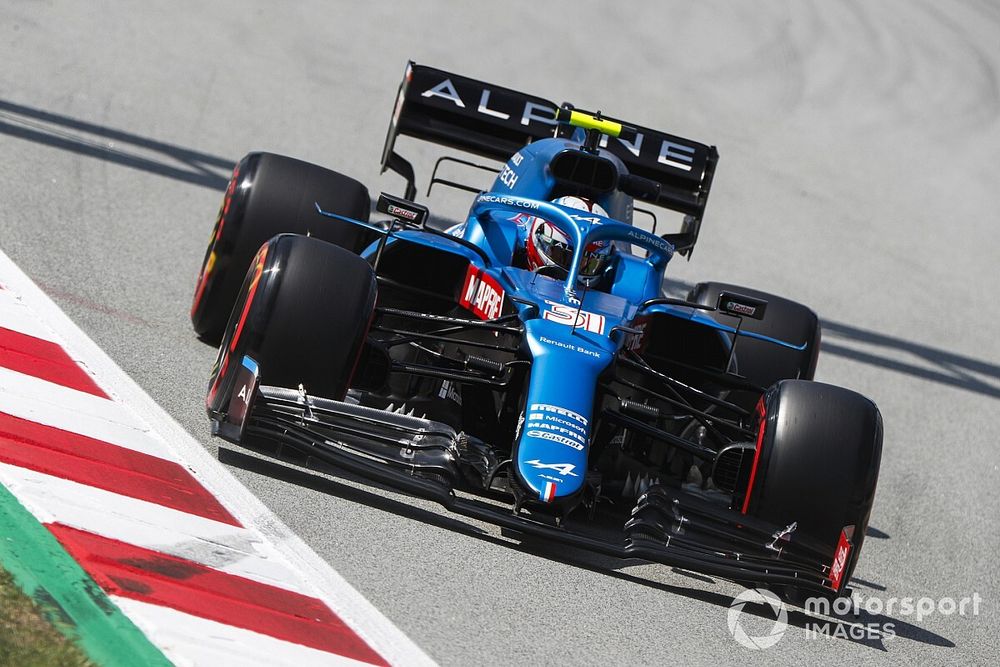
(817, 466)
(268, 195)
(302, 315)
(760, 362)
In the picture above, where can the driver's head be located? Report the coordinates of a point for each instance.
(549, 246)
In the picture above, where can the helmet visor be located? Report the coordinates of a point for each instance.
(553, 246)
(595, 259)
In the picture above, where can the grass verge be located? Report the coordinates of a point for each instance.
(27, 638)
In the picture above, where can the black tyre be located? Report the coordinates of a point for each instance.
(818, 465)
(302, 314)
(268, 195)
(761, 362)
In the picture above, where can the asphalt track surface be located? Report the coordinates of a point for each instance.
(860, 145)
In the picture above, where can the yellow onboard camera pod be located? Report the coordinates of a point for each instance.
(591, 122)
(595, 123)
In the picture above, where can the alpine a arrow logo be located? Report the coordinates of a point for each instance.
(561, 468)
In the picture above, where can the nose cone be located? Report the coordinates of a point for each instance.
(551, 452)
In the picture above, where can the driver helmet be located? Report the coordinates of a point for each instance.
(547, 245)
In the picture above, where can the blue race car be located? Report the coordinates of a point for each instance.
(523, 366)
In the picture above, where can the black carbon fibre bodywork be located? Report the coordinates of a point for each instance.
(430, 460)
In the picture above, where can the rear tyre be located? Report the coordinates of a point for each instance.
(302, 314)
(818, 465)
(268, 195)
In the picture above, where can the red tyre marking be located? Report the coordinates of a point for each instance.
(225, 352)
(150, 576)
(258, 271)
(207, 267)
(44, 360)
(761, 412)
(120, 470)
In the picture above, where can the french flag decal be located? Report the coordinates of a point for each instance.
(548, 493)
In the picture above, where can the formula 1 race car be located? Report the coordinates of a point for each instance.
(523, 366)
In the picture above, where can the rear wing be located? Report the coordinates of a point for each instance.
(495, 122)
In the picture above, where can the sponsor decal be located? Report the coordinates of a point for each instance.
(637, 342)
(511, 107)
(556, 424)
(676, 155)
(508, 201)
(401, 209)
(522, 220)
(592, 219)
(561, 468)
(671, 153)
(570, 316)
(508, 177)
(740, 304)
(569, 346)
(484, 107)
(553, 437)
(481, 294)
(400, 212)
(532, 111)
(840, 560)
(649, 239)
(449, 392)
(246, 380)
(446, 90)
(564, 412)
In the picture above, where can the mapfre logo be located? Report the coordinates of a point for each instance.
(482, 295)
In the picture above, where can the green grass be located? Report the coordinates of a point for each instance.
(27, 638)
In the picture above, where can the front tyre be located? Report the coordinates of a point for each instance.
(817, 466)
(269, 195)
(302, 315)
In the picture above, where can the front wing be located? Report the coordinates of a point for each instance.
(430, 460)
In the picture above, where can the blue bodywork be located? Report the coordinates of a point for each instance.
(571, 332)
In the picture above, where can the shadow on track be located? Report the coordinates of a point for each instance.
(834, 627)
(83, 138)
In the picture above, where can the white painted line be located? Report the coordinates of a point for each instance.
(17, 317)
(357, 612)
(228, 646)
(226, 548)
(51, 404)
